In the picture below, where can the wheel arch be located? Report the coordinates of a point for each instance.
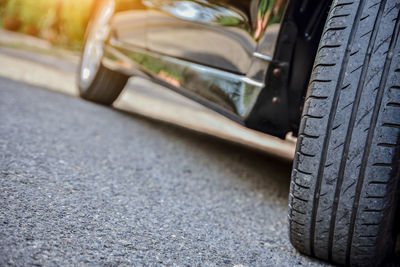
(279, 106)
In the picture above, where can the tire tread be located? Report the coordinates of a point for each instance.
(345, 122)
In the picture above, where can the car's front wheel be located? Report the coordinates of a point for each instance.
(345, 178)
(97, 83)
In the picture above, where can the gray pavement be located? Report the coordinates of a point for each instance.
(82, 184)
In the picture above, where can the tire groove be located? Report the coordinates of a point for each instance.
(330, 125)
(352, 121)
(371, 133)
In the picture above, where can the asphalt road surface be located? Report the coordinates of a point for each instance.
(83, 184)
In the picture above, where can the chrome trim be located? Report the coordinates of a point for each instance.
(234, 93)
(252, 82)
(263, 57)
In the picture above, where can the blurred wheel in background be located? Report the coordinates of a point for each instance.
(97, 83)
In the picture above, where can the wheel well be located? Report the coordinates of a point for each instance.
(279, 107)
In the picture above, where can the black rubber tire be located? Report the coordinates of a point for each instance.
(345, 178)
(105, 88)
(107, 84)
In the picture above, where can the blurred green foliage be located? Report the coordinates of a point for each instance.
(62, 22)
(229, 21)
(3, 4)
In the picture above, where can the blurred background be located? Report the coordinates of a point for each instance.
(60, 22)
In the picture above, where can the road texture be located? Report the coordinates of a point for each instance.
(85, 184)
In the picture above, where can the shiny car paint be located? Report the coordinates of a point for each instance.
(223, 54)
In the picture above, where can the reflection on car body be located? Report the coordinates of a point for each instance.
(217, 52)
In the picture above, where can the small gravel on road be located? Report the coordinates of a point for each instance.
(83, 184)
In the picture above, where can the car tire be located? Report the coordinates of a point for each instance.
(345, 179)
(97, 83)
(105, 88)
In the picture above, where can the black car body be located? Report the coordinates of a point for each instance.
(248, 60)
